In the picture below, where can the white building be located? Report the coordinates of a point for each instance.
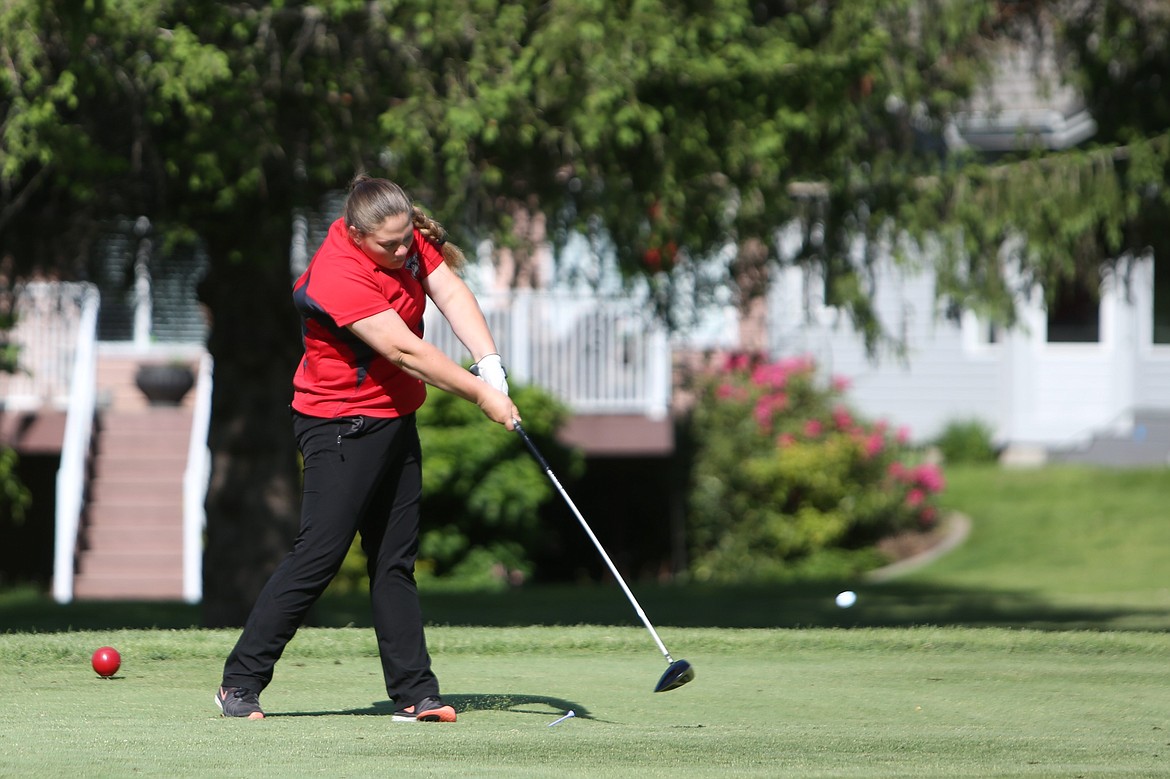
(1043, 386)
(1088, 379)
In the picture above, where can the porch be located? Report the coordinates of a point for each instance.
(128, 505)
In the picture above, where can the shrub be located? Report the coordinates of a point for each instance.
(482, 493)
(967, 442)
(788, 480)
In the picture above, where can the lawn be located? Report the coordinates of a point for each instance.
(1072, 540)
(893, 702)
(1038, 648)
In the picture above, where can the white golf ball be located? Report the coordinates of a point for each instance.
(846, 599)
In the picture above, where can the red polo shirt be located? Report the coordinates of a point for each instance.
(340, 375)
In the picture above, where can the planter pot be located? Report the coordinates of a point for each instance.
(164, 385)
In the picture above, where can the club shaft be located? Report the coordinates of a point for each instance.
(589, 531)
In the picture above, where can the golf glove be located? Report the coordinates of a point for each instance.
(491, 371)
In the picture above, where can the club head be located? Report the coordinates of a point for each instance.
(677, 674)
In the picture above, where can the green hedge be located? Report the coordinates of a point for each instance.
(482, 493)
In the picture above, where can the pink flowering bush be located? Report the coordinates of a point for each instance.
(788, 480)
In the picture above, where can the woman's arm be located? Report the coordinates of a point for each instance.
(460, 308)
(388, 335)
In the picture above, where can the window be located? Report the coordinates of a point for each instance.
(1074, 315)
(1161, 300)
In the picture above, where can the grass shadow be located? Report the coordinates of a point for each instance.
(795, 605)
(26, 610)
(790, 605)
(539, 705)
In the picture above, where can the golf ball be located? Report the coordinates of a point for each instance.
(106, 661)
(846, 599)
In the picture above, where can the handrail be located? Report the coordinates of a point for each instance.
(195, 481)
(75, 447)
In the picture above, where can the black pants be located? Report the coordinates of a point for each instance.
(361, 475)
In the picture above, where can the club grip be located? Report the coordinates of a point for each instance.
(531, 446)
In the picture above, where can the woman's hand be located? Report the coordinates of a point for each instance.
(390, 337)
(497, 406)
(490, 369)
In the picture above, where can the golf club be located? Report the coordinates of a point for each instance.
(678, 672)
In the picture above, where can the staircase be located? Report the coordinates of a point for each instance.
(131, 541)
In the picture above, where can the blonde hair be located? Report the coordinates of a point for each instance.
(372, 200)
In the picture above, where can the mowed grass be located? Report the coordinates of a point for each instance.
(1070, 534)
(1038, 648)
(782, 702)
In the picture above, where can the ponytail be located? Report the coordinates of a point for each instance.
(437, 234)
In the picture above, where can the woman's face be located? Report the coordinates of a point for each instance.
(389, 245)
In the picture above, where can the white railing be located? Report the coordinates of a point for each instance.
(56, 332)
(78, 432)
(48, 315)
(597, 355)
(195, 481)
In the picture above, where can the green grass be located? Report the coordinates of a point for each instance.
(1068, 530)
(1073, 538)
(1038, 648)
(766, 703)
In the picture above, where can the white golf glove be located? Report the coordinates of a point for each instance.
(491, 371)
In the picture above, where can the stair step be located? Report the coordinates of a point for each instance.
(132, 493)
(161, 427)
(117, 588)
(117, 544)
(163, 468)
(170, 416)
(134, 536)
(165, 465)
(132, 541)
(134, 515)
(133, 565)
(133, 481)
(129, 441)
(174, 423)
(145, 563)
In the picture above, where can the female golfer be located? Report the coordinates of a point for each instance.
(355, 394)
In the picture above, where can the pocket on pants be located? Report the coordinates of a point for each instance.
(350, 427)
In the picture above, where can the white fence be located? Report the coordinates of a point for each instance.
(75, 449)
(56, 332)
(196, 478)
(48, 319)
(598, 356)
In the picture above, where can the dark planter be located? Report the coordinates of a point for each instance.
(164, 385)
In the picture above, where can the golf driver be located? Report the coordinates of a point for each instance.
(678, 672)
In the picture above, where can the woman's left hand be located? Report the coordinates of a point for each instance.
(490, 369)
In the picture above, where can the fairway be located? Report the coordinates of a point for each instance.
(1055, 665)
(863, 702)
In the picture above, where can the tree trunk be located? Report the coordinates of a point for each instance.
(254, 495)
